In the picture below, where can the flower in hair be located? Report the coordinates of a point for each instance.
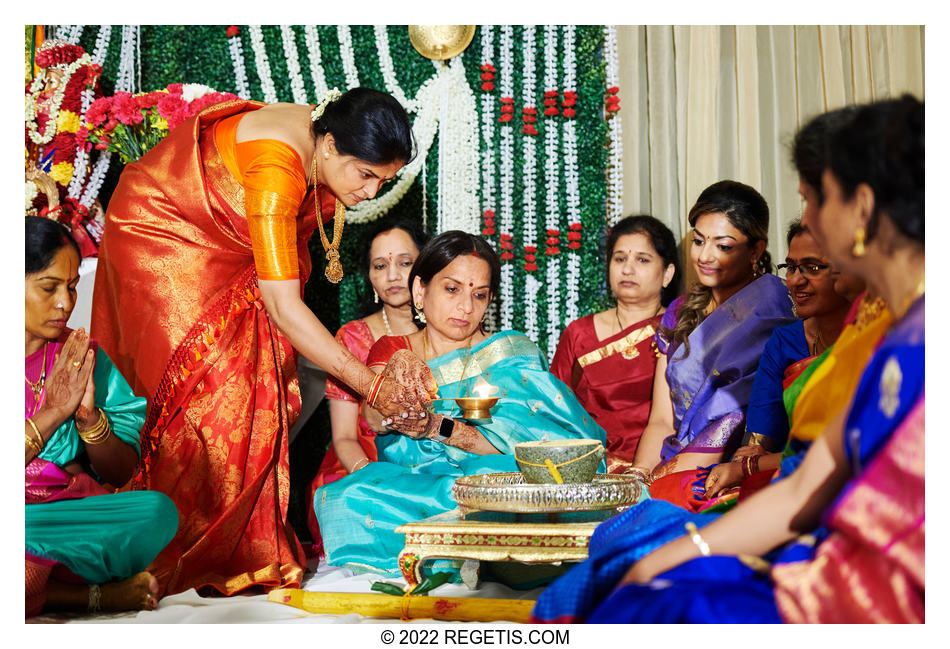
(332, 95)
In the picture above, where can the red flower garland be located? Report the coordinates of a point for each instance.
(507, 109)
(529, 117)
(488, 76)
(612, 100)
(489, 218)
(552, 242)
(570, 100)
(550, 102)
(507, 246)
(233, 31)
(574, 236)
(530, 258)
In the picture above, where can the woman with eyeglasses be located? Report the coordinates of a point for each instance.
(823, 299)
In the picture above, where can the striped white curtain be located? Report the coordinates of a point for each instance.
(704, 103)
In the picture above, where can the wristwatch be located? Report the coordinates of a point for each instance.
(445, 430)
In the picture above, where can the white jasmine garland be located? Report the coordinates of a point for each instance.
(56, 102)
(615, 152)
(32, 191)
(487, 152)
(571, 178)
(81, 162)
(293, 64)
(531, 287)
(529, 183)
(552, 212)
(506, 172)
(389, 71)
(102, 44)
(424, 128)
(91, 190)
(126, 73)
(458, 151)
(236, 50)
(346, 56)
(71, 33)
(316, 67)
(573, 280)
(262, 64)
(96, 178)
(507, 296)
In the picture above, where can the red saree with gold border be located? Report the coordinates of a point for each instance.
(176, 307)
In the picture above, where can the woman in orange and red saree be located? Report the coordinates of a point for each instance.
(86, 547)
(609, 358)
(712, 337)
(390, 248)
(858, 495)
(199, 300)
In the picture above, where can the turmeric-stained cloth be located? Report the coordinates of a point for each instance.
(176, 306)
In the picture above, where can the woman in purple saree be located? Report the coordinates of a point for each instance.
(713, 336)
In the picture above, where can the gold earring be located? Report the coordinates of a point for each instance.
(420, 314)
(756, 271)
(858, 249)
(375, 296)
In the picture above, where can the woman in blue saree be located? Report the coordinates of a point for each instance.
(86, 547)
(453, 281)
(858, 493)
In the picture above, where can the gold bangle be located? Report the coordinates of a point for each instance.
(697, 539)
(98, 433)
(38, 443)
(357, 466)
(32, 444)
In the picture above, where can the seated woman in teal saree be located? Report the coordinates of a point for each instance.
(453, 280)
(86, 547)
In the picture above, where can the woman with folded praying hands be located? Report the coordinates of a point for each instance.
(87, 547)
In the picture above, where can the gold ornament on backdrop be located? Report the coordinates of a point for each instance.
(441, 42)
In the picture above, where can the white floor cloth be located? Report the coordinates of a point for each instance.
(189, 607)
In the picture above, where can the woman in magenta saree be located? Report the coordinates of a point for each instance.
(858, 495)
(86, 546)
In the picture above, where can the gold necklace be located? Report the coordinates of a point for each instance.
(630, 351)
(334, 269)
(41, 382)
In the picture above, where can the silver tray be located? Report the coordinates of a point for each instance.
(508, 492)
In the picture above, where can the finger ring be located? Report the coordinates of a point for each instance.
(77, 364)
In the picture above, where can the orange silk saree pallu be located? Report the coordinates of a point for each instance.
(176, 306)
